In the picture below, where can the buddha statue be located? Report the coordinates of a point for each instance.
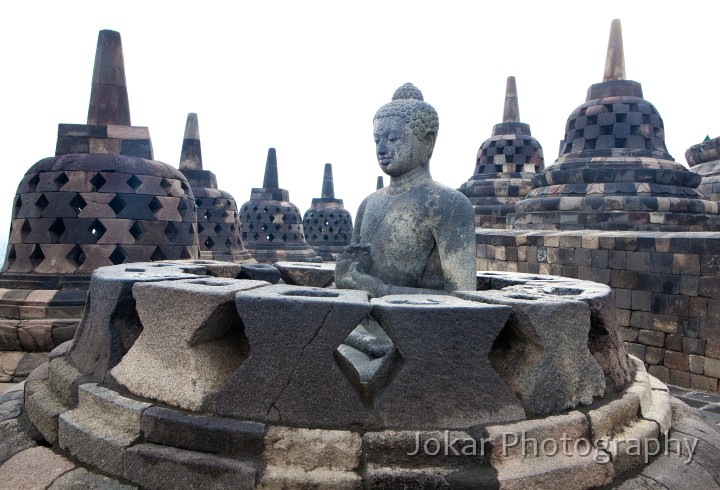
(416, 235)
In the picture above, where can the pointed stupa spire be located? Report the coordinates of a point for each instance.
(271, 174)
(615, 60)
(191, 155)
(511, 113)
(108, 98)
(328, 189)
(380, 184)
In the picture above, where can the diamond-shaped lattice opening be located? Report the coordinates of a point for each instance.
(37, 256)
(201, 228)
(171, 232)
(206, 215)
(368, 359)
(42, 202)
(98, 230)
(191, 230)
(117, 204)
(57, 229)
(264, 227)
(184, 187)
(33, 183)
(118, 256)
(136, 230)
(155, 205)
(158, 254)
(181, 205)
(134, 182)
(18, 203)
(78, 203)
(166, 185)
(209, 243)
(61, 180)
(185, 254)
(228, 243)
(76, 256)
(98, 181)
(25, 229)
(270, 237)
(218, 228)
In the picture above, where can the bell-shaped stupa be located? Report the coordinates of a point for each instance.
(101, 200)
(327, 224)
(218, 225)
(614, 171)
(505, 165)
(271, 227)
(704, 160)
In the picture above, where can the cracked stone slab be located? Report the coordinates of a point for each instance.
(446, 379)
(189, 323)
(33, 468)
(291, 375)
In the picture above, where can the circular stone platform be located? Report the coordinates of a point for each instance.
(181, 376)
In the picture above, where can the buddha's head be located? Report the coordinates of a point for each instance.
(405, 130)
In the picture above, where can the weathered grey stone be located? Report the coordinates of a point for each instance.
(8, 335)
(33, 468)
(43, 409)
(291, 375)
(110, 324)
(415, 235)
(64, 380)
(558, 471)
(202, 433)
(99, 430)
(153, 466)
(28, 363)
(306, 274)
(82, 478)
(628, 447)
(543, 349)
(259, 272)
(641, 483)
(311, 458)
(13, 438)
(460, 394)
(193, 324)
(8, 365)
(608, 419)
(61, 350)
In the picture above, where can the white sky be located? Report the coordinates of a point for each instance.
(306, 77)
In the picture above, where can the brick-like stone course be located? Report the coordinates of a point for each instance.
(666, 288)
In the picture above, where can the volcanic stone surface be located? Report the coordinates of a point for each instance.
(704, 160)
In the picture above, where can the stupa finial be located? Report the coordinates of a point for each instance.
(511, 113)
(108, 98)
(191, 155)
(615, 60)
(271, 174)
(328, 188)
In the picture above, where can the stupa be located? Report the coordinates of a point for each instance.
(271, 226)
(217, 216)
(101, 200)
(614, 171)
(704, 160)
(327, 224)
(506, 163)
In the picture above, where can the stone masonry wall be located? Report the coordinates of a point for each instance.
(666, 289)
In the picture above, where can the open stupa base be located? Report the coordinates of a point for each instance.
(210, 389)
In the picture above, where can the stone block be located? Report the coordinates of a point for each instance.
(202, 433)
(82, 478)
(153, 466)
(9, 336)
(36, 467)
(677, 360)
(99, 430)
(310, 449)
(651, 337)
(306, 274)
(43, 408)
(680, 378)
(291, 373)
(465, 393)
(607, 419)
(110, 324)
(27, 364)
(697, 364)
(575, 471)
(36, 336)
(637, 350)
(658, 410)
(654, 355)
(712, 349)
(660, 372)
(192, 323)
(8, 365)
(627, 448)
(559, 348)
(704, 383)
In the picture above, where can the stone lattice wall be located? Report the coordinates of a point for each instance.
(666, 289)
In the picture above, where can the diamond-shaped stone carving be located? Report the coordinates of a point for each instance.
(117, 204)
(57, 229)
(25, 229)
(33, 183)
(61, 180)
(118, 256)
(98, 181)
(209, 243)
(78, 203)
(137, 230)
(134, 182)
(42, 202)
(158, 254)
(155, 205)
(171, 231)
(37, 256)
(98, 230)
(76, 256)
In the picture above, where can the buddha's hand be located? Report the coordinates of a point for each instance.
(353, 254)
(365, 282)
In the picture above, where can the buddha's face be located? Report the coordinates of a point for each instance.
(398, 150)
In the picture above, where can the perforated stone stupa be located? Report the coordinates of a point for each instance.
(100, 201)
(704, 160)
(217, 216)
(614, 171)
(506, 163)
(327, 224)
(271, 227)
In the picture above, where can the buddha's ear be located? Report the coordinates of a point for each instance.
(429, 138)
